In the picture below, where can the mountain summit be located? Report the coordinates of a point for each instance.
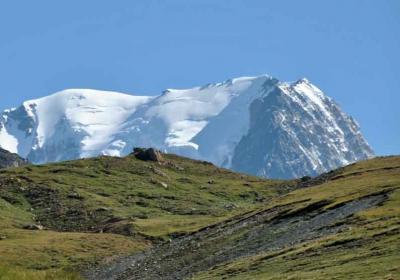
(258, 125)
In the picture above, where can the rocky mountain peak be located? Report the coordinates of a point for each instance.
(8, 159)
(258, 125)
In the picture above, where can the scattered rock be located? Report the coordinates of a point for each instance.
(155, 182)
(123, 227)
(262, 232)
(211, 181)
(75, 195)
(158, 171)
(174, 165)
(33, 227)
(139, 215)
(230, 206)
(103, 209)
(149, 154)
(3, 237)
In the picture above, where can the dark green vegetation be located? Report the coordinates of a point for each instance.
(95, 209)
(202, 222)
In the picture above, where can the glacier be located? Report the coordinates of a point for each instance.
(257, 125)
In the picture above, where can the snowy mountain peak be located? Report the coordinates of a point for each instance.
(302, 81)
(247, 123)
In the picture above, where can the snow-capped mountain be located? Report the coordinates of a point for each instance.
(296, 128)
(258, 125)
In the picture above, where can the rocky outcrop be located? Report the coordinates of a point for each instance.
(8, 159)
(149, 154)
(295, 131)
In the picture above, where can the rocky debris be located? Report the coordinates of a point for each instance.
(33, 227)
(270, 230)
(307, 181)
(119, 226)
(149, 154)
(230, 206)
(158, 172)
(74, 195)
(159, 183)
(174, 165)
(8, 159)
(103, 209)
(3, 237)
(49, 204)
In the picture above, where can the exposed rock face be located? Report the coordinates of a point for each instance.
(258, 125)
(8, 159)
(295, 128)
(149, 154)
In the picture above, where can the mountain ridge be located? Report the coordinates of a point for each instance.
(8, 159)
(207, 123)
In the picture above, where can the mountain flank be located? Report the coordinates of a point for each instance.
(57, 218)
(347, 225)
(8, 159)
(256, 125)
(178, 218)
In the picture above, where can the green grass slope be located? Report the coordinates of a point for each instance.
(96, 210)
(368, 246)
(93, 210)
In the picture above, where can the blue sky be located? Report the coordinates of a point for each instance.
(350, 49)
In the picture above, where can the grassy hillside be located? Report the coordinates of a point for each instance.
(344, 224)
(367, 246)
(95, 209)
(217, 224)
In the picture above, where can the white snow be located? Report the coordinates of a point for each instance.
(186, 112)
(202, 122)
(312, 93)
(99, 114)
(8, 141)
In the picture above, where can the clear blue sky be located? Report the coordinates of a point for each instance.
(350, 49)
